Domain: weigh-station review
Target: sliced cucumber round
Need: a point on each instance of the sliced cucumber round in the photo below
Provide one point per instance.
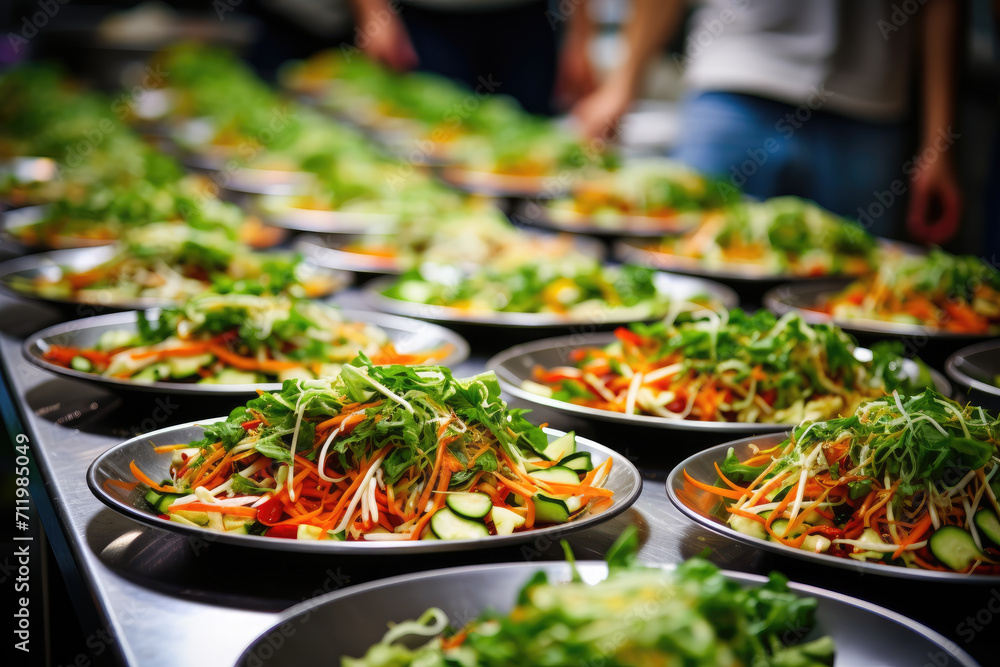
(160, 501)
(556, 475)
(505, 520)
(550, 510)
(449, 526)
(988, 524)
(470, 505)
(562, 446)
(955, 548)
(81, 364)
(579, 461)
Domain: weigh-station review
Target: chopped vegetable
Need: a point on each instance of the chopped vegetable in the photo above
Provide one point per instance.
(637, 615)
(903, 481)
(731, 367)
(377, 453)
(958, 294)
(237, 338)
(779, 236)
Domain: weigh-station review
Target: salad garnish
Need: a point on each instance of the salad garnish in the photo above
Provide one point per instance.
(173, 262)
(905, 481)
(564, 286)
(779, 236)
(379, 453)
(236, 339)
(660, 190)
(959, 294)
(638, 615)
(728, 367)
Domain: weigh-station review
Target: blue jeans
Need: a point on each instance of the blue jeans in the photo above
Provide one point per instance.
(767, 148)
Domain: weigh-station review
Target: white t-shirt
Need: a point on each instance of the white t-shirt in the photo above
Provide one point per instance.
(857, 52)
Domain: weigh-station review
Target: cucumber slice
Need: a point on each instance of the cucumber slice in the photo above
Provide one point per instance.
(779, 526)
(470, 505)
(562, 446)
(309, 532)
(988, 524)
(305, 532)
(215, 522)
(177, 518)
(231, 523)
(530, 465)
(449, 526)
(505, 520)
(954, 547)
(748, 526)
(872, 536)
(550, 510)
(182, 367)
(160, 501)
(295, 373)
(152, 373)
(232, 376)
(579, 461)
(112, 340)
(197, 518)
(81, 364)
(556, 475)
(816, 543)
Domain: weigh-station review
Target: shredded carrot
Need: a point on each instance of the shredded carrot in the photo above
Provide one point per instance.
(731, 485)
(170, 448)
(529, 517)
(914, 535)
(725, 493)
(346, 412)
(235, 510)
(142, 477)
(746, 515)
(248, 363)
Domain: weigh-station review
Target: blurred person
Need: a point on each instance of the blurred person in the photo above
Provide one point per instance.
(520, 48)
(809, 99)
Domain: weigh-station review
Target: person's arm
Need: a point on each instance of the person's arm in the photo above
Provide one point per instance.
(381, 34)
(575, 77)
(652, 23)
(935, 199)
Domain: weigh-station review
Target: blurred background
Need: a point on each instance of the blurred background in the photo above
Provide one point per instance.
(565, 51)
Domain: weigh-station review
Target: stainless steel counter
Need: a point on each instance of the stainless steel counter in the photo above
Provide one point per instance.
(164, 599)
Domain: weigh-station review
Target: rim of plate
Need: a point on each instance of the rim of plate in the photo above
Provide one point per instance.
(960, 357)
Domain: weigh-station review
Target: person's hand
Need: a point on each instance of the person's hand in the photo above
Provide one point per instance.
(935, 204)
(389, 44)
(598, 114)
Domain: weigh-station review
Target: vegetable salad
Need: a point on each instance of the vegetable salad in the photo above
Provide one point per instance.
(379, 453)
